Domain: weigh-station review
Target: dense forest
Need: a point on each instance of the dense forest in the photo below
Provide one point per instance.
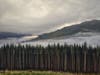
(68, 58)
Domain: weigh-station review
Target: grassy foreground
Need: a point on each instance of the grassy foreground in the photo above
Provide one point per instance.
(39, 73)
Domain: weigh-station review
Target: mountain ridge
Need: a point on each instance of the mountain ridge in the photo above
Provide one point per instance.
(87, 26)
(4, 35)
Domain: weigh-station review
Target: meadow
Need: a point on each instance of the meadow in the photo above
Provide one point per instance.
(41, 73)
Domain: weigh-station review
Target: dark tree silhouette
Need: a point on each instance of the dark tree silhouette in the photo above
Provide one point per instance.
(71, 58)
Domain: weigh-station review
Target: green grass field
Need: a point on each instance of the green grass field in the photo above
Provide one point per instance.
(39, 73)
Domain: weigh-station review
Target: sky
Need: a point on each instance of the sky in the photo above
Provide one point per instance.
(41, 16)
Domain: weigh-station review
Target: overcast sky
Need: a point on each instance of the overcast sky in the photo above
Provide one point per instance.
(38, 16)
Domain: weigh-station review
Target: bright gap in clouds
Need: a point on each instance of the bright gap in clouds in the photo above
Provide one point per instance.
(66, 25)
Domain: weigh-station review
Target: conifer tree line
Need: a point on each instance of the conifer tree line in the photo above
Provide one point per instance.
(68, 58)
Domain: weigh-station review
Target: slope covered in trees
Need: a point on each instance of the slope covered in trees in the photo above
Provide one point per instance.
(4, 35)
(69, 58)
(88, 26)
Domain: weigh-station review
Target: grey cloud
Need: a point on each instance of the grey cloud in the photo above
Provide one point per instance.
(38, 16)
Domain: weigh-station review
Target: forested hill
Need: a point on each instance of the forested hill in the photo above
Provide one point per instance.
(4, 35)
(88, 26)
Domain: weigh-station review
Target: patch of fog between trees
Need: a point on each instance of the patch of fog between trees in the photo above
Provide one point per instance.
(91, 40)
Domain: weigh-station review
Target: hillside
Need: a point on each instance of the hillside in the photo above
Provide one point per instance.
(4, 35)
(88, 26)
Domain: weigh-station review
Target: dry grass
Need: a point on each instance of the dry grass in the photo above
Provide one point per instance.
(39, 73)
